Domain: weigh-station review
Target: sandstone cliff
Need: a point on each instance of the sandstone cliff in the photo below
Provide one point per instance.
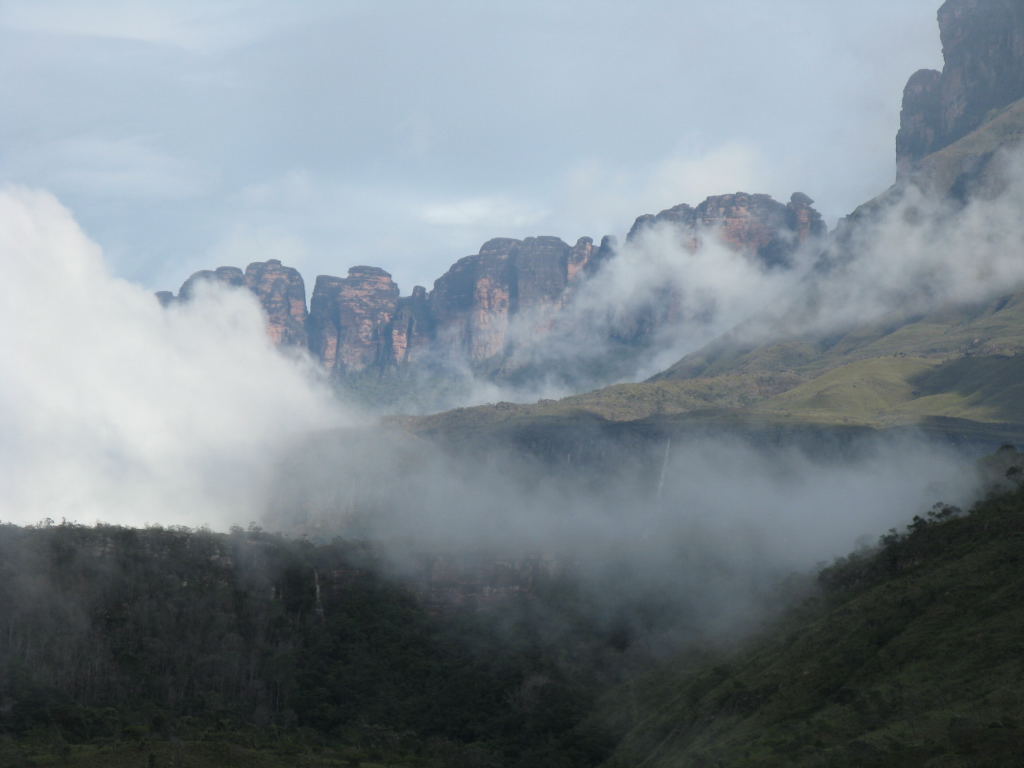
(227, 275)
(475, 302)
(350, 318)
(983, 71)
(282, 294)
(755, 224)
(491, 306)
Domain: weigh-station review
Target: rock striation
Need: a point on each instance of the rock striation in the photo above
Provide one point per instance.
(475, 301)
(983, 71)
(350, 319)
(282, 293)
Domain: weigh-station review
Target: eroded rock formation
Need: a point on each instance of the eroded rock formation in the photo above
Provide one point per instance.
(489, 310)
(475, 302)
(280, 290)
(983, 71)
(755, 224)
(350, 319)
(227, 275)
(282, 294)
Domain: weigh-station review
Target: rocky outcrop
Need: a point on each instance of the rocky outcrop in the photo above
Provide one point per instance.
(474, 303)
(755, 224)
(983, 71)
(282, 294)
(350, 319)
(231, 276)
(280, 290)
(412, 330)
(492, 312)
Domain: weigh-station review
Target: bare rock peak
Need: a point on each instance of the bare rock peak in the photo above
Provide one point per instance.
(755, 223)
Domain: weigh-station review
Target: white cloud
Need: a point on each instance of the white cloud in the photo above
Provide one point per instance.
(114, 409)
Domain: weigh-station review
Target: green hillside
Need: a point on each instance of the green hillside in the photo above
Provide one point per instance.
(912, 655)
(958, 363)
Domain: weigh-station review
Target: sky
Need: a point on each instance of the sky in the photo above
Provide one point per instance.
(197, 133)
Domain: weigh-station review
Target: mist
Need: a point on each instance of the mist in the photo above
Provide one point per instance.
(711, 521)
(116, 410)
(912, 252)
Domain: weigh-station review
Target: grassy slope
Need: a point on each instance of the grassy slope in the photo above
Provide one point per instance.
(903, 390)
(958, 364)
(1005, 128)
(913, 655)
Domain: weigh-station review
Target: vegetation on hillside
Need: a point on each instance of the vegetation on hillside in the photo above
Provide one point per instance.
(117, 644)
(171, 647)
(911, 655)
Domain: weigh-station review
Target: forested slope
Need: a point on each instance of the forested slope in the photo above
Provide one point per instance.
(913, 654)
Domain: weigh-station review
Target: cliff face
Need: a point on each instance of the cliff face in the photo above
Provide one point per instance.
(983, 71)
(754, 224)
(412, 330)
(349, 319)
(280, 290)
(486, 307)
(282, 294)
(227, 275)
(475, 302)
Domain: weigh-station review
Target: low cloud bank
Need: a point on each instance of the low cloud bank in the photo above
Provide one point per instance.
(117, 410)
(711, 522)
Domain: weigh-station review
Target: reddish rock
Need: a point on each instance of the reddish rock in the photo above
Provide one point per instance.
(474, 303)
(412, 329)
(282, 293)
(360, 323)
(755, 224)
(350, 319)
(803, 220)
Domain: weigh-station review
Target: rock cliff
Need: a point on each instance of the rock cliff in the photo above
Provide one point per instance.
(350, 319)
(983, 71)
(475, 302)
(227, 275)
(282, 294)
(280, 290)
(490, 309)
(754, 224)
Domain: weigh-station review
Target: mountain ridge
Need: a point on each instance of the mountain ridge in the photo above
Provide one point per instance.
(485, 314)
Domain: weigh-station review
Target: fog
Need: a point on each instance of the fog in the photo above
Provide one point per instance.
(914, 253)
(708, 523)
(113, 409)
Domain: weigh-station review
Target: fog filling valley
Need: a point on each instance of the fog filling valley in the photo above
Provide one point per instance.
(117, 410)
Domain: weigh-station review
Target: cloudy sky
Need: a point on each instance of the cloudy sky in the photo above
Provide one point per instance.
(186, 134)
